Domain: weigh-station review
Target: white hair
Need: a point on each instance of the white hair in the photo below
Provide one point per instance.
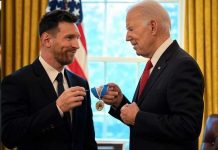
(150, 9)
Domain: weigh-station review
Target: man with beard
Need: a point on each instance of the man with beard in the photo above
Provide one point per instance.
(45, 106)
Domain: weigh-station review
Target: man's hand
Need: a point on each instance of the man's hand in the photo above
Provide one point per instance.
(113, 96)
(71, 98)
(128, 113)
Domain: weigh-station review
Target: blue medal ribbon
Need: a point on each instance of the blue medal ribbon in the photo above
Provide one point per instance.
(103, 91)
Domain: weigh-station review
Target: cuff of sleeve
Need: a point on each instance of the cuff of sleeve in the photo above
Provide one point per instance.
(123, 102)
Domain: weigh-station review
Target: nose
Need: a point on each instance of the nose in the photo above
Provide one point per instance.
(128, 37)
(75, 43)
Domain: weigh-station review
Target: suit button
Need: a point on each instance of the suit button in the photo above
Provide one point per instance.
(52, 126)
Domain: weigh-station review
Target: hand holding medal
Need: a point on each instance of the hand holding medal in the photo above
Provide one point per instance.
(99, 92)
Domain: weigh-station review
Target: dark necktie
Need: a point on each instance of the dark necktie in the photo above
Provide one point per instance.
(144, 77)
(60, 90)
(59, 79)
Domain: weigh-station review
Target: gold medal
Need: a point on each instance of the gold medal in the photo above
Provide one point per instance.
(99, 105)
(99, 93)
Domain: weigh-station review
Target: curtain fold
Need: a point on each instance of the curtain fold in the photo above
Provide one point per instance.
(19, 33)
(201, 41)
(20, 42)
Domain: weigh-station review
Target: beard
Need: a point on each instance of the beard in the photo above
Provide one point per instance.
(65, 58)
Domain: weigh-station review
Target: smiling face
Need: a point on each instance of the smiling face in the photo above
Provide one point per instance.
(60, 44)
(65, 43)
(139, 33)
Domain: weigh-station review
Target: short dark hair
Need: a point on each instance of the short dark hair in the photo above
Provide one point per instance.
(50, 20)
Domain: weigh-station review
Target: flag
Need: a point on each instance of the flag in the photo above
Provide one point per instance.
(79, 65)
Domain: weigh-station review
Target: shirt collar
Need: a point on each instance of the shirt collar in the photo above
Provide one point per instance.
(52, 72)
(160, 51)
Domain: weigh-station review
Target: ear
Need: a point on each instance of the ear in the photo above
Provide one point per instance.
(46, 39)
(153, 24)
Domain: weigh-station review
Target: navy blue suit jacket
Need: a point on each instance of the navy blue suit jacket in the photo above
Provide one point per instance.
(31, 120)
(171, 105)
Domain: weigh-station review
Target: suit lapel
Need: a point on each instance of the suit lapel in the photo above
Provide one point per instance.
(152, 79)
(44, 81)
(158, 69)
(46, 84)
(69, 78)
(71, 83)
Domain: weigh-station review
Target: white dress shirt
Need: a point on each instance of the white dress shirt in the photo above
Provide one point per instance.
(52, 74)
(156, 56)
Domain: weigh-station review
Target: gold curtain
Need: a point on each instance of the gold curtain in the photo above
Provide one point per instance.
(20, 42)
(201, 41)
(19, 33)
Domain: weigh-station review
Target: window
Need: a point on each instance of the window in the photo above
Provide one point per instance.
(112, 59)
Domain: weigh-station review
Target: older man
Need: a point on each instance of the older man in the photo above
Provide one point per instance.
(167, 108)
